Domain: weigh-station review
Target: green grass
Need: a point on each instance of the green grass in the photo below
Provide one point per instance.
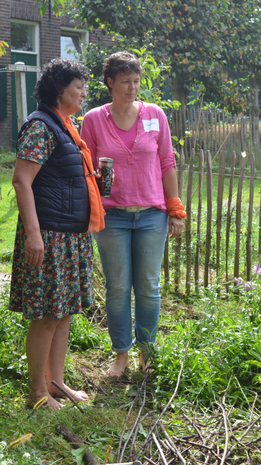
(8, 211)
(7, 159)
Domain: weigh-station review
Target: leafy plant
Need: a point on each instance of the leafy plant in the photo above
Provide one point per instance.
(222, 356)
(3, 46)
(84, 335)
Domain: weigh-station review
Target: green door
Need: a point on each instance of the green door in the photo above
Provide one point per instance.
(30, 84)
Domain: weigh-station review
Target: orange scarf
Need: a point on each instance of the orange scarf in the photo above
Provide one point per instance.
(97, 211)
(175, 208)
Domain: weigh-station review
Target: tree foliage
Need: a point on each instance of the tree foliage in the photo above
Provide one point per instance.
(236, 74)
(56, 5)
(213, 42)
(3, 46)
(205, 40)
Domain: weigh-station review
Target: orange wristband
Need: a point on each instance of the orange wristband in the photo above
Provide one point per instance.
(175, 208)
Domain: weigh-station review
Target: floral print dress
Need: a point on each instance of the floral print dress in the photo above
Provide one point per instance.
(63, 284)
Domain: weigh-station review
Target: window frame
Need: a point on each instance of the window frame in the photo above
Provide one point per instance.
(83, 35)
(36, 38)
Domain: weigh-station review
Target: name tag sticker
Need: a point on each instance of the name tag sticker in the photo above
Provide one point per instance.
(151, 124)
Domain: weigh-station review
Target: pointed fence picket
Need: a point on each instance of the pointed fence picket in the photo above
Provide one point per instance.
(250, 217)
(238, 216)
(200, 187)
(229, 212)
(212, 129)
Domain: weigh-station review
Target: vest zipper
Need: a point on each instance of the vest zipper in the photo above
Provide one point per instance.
(70, 196)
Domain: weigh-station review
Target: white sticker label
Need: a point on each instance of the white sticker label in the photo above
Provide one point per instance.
(151, 124)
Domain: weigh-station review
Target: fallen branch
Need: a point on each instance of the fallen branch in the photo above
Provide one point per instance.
(137, 418)
(193, 424)
(76, 442)
(244, 434)
(94, 385)
(67, 395)
(171, 444)
(159, 449)
(226, 433)
(126, 421)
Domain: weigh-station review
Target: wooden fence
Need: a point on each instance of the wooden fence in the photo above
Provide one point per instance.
(222, 240)
(214, 130)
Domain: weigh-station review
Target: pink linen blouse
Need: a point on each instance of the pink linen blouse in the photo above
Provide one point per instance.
(138, 171)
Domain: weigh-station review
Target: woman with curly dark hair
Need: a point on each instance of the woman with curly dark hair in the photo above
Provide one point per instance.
(59, 205)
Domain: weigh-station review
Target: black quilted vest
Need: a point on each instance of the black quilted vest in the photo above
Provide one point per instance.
(60, 189)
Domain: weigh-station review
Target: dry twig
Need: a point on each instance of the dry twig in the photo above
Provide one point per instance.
(171, 444)
(169, 402)
(159, 449)
(67, 395)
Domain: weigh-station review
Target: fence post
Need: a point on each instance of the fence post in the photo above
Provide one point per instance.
(238, 216)
(188, 222)
(200, 187)
(221, 177)
(229, 213)
(20, 90)
(250, 217)
(259, 234)
(177, 243)
(166, 260)
(209, 216)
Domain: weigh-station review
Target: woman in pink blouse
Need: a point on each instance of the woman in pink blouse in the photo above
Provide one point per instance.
(142, 208)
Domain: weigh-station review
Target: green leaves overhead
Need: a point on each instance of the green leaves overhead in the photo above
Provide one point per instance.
(56, 5)
(205, 40)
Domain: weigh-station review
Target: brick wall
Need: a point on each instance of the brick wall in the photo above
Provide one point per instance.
(25, 10)
(49, 47)
(96, 34)
(49, 38)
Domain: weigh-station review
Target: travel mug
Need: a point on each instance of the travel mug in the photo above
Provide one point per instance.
(105, 170)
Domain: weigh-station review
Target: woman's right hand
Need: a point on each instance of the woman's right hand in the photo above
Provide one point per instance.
(34, 249)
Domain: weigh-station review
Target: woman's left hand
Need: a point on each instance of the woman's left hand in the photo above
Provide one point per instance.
(175, 226)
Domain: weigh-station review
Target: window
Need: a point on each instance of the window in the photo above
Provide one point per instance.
(24, 35)
(73, 42)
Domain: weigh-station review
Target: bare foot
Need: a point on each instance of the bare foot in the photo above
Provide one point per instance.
(144, 366)
(35, 396)
(121, 362)
(78, 396)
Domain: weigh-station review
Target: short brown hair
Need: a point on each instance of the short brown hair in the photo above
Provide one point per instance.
(120, 62)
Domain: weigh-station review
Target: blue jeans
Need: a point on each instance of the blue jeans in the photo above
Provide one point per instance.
(131, 248)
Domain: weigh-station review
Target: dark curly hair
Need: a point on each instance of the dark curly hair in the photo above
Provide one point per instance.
(55, 77)
(120, 62)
